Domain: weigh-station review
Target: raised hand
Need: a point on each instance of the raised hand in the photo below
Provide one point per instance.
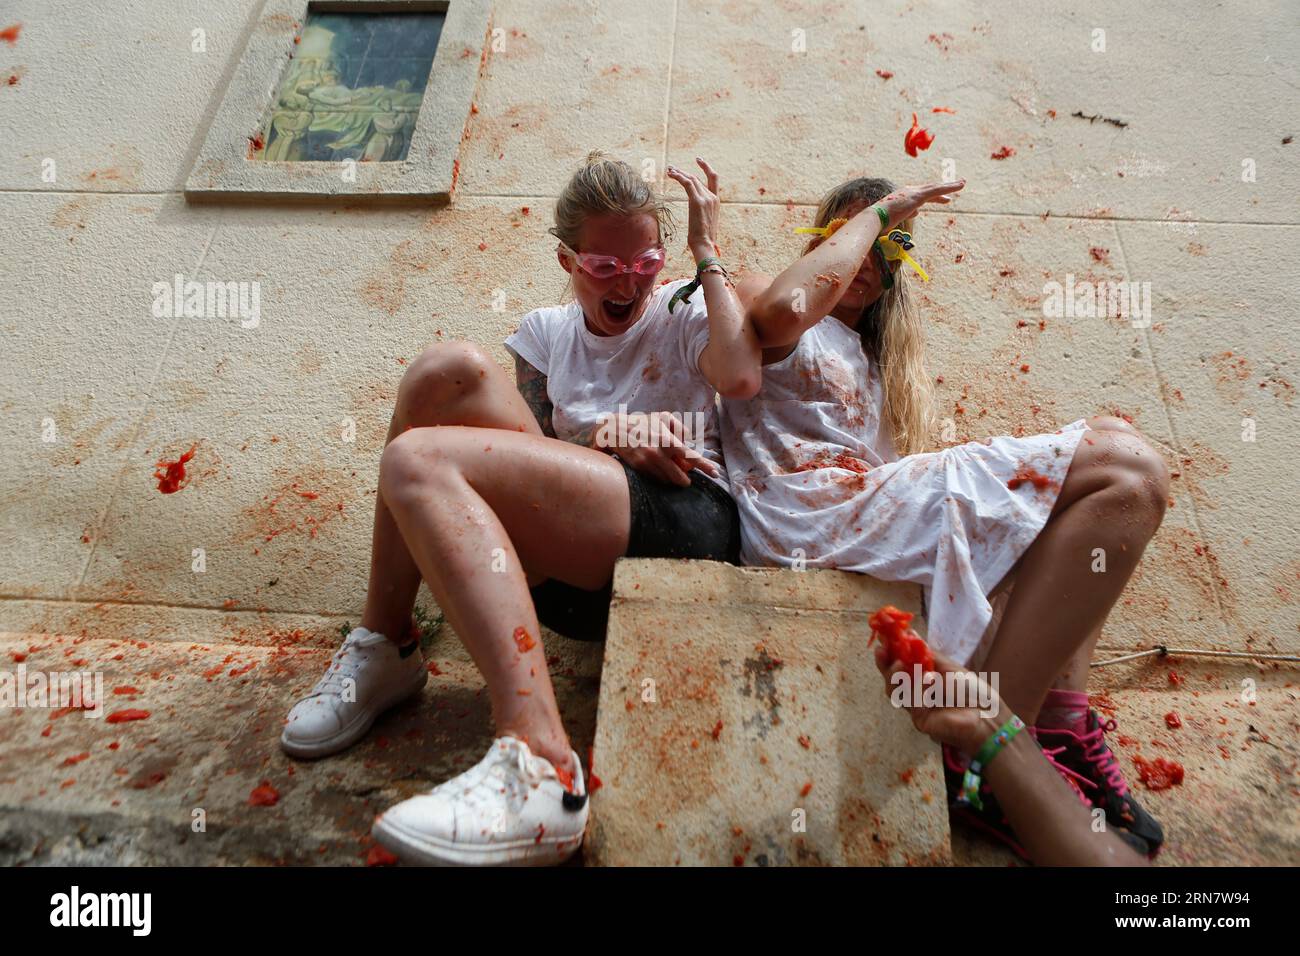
(903, 204)
(702, 229)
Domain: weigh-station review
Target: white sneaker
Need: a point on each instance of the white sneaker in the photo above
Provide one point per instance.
(366, 677)
(509, 810)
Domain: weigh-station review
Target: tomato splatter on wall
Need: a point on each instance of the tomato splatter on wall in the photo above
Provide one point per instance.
(171, 474)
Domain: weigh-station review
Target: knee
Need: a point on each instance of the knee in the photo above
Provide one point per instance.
(409, 462)
(1110, 423)
(442, 375)
(1138, 477)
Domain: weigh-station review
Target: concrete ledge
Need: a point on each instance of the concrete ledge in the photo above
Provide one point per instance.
(742, 720)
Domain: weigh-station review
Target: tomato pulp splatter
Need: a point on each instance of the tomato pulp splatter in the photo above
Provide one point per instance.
(1024, 474)
(523, 640)
(1158, 774)
(917, 138)
(901, 642)
(10, 34)
(122, 716)
(378, 856)
(593, 781)
(264, 796)
(1006, 152)
(1173, 721)
(171, 478)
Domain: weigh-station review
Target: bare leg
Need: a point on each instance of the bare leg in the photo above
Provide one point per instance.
(477, 506)
(1113, 498)
(455, 383)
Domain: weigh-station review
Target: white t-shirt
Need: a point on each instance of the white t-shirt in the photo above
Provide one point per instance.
(652, 367)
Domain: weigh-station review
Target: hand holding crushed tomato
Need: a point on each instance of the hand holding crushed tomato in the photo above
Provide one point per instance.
(965, 728)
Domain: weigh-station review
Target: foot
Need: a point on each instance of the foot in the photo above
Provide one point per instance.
(512, 809)
(1088, 756)
(367, 676)
(991, 821)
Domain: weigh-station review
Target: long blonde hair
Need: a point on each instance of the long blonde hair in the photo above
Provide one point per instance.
(891, 332)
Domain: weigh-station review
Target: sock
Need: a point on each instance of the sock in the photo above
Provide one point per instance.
(1064, 710)
(406, 650)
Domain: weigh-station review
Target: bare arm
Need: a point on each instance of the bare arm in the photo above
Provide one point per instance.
(805, 293)
(532, 386)
(731, 361)
(808, 290)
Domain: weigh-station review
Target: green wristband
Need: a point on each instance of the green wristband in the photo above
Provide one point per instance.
(884, 216)
(688, 290)
(997, 742)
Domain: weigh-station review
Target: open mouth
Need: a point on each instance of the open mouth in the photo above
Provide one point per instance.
(618, 309)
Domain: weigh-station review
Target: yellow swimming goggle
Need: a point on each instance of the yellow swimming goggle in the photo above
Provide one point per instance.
(891, 248)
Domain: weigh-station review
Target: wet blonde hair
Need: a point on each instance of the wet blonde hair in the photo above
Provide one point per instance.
(891, 331)
(605, 185)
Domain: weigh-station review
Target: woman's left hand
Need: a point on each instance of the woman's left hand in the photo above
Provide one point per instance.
(702, 231)
(965, 728)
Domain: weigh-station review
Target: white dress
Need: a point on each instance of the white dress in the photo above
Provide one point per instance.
(816, 478)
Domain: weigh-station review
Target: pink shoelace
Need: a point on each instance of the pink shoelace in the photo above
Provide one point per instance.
(1076, 780)
(1097, 753)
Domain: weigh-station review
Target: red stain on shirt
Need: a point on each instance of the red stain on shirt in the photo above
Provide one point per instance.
(901, 642)
(10, 34)
(885, 74)
(1024, 474)
(171, 478)
(1173, 721)
(917, 138)
(840, 460)
(944, 109)
(1006, 152)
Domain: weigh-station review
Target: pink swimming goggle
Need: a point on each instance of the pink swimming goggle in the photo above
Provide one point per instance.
(648, 263)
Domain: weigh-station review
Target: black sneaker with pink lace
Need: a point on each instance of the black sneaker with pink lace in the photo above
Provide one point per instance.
(1097, 772)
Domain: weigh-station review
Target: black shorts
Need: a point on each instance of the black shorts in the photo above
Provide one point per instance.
(667, 522)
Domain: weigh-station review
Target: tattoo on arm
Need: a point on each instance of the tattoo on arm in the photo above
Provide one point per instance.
(532, 386)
